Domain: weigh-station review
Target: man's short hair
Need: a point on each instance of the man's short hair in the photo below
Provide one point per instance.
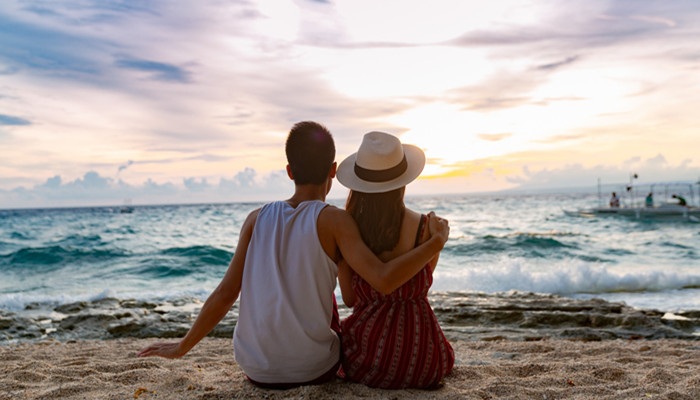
(310, 152)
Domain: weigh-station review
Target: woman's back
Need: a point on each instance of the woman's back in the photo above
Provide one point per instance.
(395, 341)
(407, 237)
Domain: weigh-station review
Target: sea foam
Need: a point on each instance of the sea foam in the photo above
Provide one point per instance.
(564, 278)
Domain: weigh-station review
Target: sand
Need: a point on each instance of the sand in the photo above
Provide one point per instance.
(501, 369)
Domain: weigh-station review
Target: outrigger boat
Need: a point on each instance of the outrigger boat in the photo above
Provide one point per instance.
(678, 201)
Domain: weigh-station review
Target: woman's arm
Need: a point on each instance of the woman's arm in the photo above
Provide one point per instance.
(345, 283)
(384, 277)
(433, 262)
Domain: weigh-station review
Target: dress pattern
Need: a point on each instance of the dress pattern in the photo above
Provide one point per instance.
(394, 341)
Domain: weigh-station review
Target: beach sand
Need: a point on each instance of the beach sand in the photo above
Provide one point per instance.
(498, 369)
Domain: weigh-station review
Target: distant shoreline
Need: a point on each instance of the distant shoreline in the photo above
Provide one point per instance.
(584, 190)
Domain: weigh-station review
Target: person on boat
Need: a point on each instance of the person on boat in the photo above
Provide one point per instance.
(284, 270)
(650, 200)
(392, 340)
(681, 200)
(614, 200)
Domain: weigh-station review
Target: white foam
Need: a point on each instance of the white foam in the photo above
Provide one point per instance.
(18, 301)
(570, 277)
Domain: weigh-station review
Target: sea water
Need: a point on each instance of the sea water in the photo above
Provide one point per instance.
(500, 247)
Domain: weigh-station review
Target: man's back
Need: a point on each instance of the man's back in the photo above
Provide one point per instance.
(286, 304)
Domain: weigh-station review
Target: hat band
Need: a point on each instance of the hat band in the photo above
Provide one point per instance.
(382, 175)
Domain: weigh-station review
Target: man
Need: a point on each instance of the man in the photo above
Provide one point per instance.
(284, 269)
(649, 201)
(681, 200)
(614, 201)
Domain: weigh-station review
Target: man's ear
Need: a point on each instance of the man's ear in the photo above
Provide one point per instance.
(289, 172)
(334, 169)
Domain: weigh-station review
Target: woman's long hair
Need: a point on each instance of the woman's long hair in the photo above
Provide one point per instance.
(378, 216)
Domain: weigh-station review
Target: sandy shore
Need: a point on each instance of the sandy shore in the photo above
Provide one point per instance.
(549, 369)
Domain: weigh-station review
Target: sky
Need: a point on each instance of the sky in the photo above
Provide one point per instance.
(106, 101)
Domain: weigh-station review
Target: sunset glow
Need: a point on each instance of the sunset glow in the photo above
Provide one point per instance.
(184, 102)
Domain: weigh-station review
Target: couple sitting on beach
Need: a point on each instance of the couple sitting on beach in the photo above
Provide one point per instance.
(290, 254)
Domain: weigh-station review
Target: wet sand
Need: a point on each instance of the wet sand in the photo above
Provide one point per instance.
(485, 369)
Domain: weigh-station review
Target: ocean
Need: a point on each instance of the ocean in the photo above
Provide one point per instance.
(515, 266)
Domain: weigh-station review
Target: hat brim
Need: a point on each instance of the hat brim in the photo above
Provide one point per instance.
(415, 159)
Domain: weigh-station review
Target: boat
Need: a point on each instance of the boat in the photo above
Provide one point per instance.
(126, 208)
(672, 199)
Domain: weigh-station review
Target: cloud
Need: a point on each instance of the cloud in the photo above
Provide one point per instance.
(9, 120)
(655, 169)
(562, 138)
(159, 71)
(9, 71)
(52, 183)
(555, 65)
(27, 45)
(494, 137)
(92, 189)
(125, 166)
(195, 186)
(655, 20)
(499, 91)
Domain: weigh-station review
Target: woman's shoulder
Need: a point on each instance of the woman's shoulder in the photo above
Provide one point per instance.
(417, 226)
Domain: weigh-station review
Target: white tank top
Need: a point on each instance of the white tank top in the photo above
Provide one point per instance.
(283, 332)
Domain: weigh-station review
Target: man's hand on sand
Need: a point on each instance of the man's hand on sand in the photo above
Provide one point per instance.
(438, 226)
(167, 350)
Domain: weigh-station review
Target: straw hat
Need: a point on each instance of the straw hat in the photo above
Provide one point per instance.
(381, 164)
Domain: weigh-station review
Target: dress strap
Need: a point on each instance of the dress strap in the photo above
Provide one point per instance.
(421, 228)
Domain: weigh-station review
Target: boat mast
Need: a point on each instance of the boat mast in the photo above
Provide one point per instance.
(630, 188)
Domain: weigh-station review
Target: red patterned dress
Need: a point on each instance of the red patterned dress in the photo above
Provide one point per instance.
(394, 341)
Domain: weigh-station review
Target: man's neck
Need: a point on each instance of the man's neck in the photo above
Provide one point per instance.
(307, 193)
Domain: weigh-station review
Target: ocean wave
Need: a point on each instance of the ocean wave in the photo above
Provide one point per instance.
(201, 254)
(525, 245)
(20, 236)
(20, 301)
(564, 279)
(76, 240)
(36, 257)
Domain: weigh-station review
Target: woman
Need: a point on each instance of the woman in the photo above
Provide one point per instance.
(391, 340)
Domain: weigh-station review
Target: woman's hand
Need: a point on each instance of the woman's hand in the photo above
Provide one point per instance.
(438, 227)
(167, 350)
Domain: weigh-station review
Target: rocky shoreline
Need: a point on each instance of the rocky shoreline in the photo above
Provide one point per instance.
(463, 316)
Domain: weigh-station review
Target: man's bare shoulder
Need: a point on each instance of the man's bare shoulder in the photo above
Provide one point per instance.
(333, 215)
(254, 214)
(251, 219)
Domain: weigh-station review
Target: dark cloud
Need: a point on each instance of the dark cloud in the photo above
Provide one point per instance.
(30, 46)
(125, 166)
(42, 11)
(159, 71)
(9, 120)
(555, 65)
(514, 36)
